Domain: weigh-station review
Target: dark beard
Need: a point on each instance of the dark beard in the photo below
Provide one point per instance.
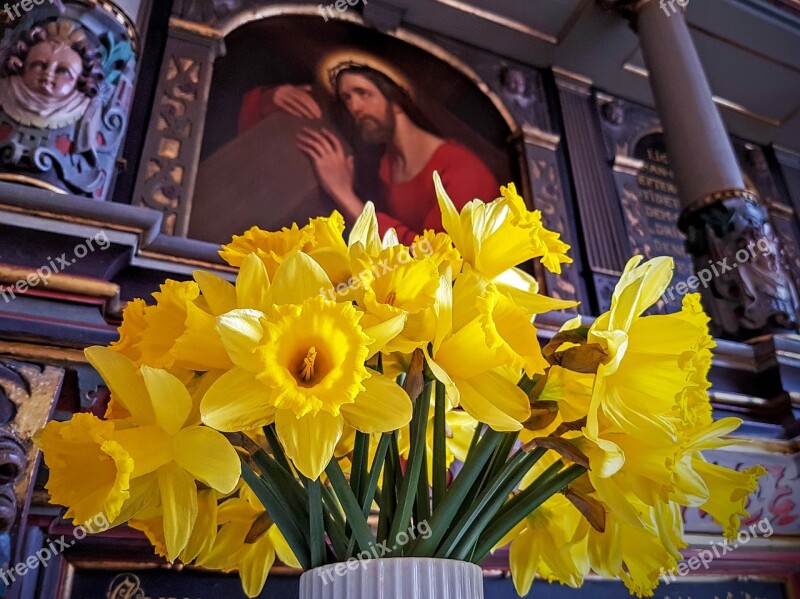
(378, 132)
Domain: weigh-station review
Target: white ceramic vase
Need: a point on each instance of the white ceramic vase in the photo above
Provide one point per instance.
(394, 578)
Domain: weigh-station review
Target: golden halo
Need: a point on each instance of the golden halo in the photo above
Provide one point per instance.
(336, 58)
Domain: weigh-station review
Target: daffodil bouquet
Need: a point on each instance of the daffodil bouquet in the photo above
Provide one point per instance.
(337, 379)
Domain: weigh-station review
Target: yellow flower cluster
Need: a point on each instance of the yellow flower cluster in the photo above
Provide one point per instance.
(312, 337)
(638, 392)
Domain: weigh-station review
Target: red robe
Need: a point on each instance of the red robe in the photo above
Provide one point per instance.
(410, 207)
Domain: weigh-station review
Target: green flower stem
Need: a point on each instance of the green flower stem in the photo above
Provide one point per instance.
(332, 505)
(289, 486)
(388, 500)
(369, 492)
(352, 510)
(476, 436)
(496, 465)
(545, 476)
(277, 448)
(463, 536)
(274, 504)
(358, 471)
(416, 453)
(318, 549)
(444, 515)
(523, 504)
(336, 534)
(422, 506)
(439, 445)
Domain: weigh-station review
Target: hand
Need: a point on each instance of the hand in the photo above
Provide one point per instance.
(298, 101)
(334, 168)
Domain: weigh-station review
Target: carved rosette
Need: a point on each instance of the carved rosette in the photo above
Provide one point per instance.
(66, 83)
(731, 239)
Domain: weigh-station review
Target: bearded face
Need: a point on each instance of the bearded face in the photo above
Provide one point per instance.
(376, 130)
(373, 113)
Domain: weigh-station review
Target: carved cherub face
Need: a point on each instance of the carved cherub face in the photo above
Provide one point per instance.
(52, 70)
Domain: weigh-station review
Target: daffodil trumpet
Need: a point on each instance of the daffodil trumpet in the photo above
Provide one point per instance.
(273, 417)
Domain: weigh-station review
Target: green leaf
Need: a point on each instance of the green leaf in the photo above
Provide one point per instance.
(355, 518)
(439, 445)
(523, 505)
(444, 515)
(464, 535)
(358, 471)
(273, 503)
(409, 486)
(316, 522)
(372, 485)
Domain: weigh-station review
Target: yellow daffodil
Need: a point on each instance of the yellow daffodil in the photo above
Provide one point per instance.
(482, 341)
(247, 541)
(176, 334)
(635, 554)
(439, 248)
(400, 286)
(497, 236)
(168, 451)
(322, 238)
(89, 471)
(271, 247)
(302, 367)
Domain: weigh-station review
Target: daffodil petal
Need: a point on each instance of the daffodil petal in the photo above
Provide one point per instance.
(297, 279)
(383, 407)
(143, 500)
(523, 557)
(149, 446)
(241, 332)
(383, 332)
(282, 548)
(255, 567)
(253, 285)
(170, 399)
(451, 389)
(199, 347)
(122, 377)
(494, 400)
(204, 530)
(209, 457)
(220, 295)
(179, 506)
(237, 401)
(365, 231)
(309, 440)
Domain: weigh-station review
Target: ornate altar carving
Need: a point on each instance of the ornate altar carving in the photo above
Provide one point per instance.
(65, 88)
(27, 396)
(753, 292)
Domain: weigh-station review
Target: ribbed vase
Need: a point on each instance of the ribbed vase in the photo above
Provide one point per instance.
(394, 578)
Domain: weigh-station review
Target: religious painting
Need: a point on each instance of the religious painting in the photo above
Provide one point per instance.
(306, 116)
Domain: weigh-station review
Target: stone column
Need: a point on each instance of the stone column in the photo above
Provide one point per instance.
(728, 231)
